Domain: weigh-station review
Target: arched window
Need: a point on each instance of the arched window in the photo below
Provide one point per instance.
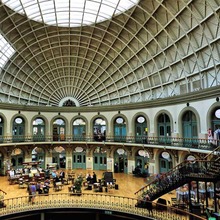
(120, 130)
(18, 130)
(59, 157)
(99, 129)
(165, 162)
(141, 130)
(1, 164)
(1, 129)
(190, 134)
(214, 131)
(38, 130)
(164, 129)
(120, 161)
(79, 158)
(79, 130)
(38, 155)
(17, 158)
(59, 131)
(99, 159)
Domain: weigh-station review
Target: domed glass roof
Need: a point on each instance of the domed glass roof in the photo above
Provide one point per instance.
(104, 53)
(70, 13)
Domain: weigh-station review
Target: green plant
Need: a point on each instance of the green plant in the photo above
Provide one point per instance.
(78, 184)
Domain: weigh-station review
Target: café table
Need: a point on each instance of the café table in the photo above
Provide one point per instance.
(59, 185)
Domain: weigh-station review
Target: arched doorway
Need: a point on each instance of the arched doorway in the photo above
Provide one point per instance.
(141, 130)
(165, 162)
(79, 158)
(120, 130)
(79, 130)
(215, 126)
(190, 134)
(18, 129)
(38, 130)
(120, 161)
(99, 129)
(2, 172)
(215, 119)
(59, 157)
(142, 161)
(38, 155)
(164, 129)
(99, 159)
(17, 158)
(1, 129)
(59, 130)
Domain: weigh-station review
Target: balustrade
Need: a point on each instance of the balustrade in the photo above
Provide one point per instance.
(100, 201)
(192, 143)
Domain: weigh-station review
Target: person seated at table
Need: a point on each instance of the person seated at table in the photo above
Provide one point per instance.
(47, 174)
(54, 176)
(45, 187)
(47, 182)
(12, 173)
(39, 188)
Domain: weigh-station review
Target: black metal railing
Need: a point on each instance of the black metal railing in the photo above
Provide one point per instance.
(95, 201)
(181, 174)
(192, 143)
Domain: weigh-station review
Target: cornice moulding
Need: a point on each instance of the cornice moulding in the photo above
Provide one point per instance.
(174, 100)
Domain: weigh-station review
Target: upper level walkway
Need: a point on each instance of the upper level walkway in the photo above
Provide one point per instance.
(173, 142)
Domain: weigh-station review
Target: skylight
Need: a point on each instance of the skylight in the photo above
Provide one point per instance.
(70, 13)
(6, 51)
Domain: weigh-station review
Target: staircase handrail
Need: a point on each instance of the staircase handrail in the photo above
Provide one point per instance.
(213, 152)
(170, 172)
(176, 175)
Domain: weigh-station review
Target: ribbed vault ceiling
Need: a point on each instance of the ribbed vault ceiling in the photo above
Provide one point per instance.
(155, 49)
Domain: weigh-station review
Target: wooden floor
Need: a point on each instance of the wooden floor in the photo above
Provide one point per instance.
(128, 185)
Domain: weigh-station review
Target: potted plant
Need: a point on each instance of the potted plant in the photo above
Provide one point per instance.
(78, 184)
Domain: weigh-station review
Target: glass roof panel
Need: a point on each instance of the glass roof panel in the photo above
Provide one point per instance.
(6, 51)
(70, 13)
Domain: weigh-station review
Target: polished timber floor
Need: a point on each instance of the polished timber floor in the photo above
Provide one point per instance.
(127, 184)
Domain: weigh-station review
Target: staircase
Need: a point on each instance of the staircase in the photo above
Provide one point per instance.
(187, 171)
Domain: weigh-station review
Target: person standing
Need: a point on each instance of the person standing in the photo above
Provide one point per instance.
(89, 179)
(32, 191)
(149, 205)
(94, 178)
(62, 175)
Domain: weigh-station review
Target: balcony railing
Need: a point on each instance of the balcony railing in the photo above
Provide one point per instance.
(164, 141)
(109, 203)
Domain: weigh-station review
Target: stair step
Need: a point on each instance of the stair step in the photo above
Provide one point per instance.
(179, 177)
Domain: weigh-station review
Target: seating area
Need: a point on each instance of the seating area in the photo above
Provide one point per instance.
(105, 184)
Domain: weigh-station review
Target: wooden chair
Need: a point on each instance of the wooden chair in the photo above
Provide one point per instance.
(71, 190)
(173, 201)
(21, 184)
(65, 182)
(96, 187)
(55, 187)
